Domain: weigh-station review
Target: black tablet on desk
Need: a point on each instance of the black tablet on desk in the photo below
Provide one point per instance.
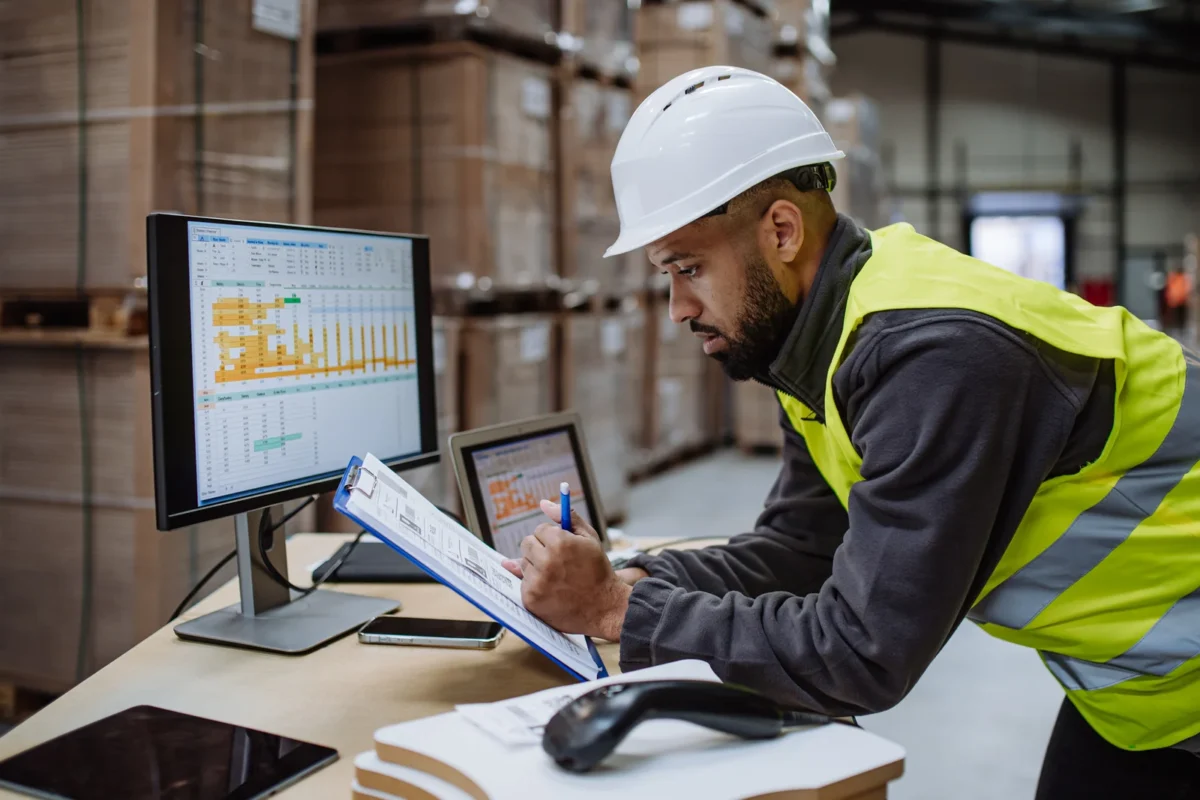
(148, 753)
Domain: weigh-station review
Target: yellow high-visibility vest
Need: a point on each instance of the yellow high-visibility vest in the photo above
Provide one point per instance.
(1102, 576)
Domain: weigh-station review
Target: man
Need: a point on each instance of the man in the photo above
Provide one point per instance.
(960, 442)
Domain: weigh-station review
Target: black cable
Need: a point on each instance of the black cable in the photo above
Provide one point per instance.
(450, 514)
(208, 576)
(265, 529)
(85, 443)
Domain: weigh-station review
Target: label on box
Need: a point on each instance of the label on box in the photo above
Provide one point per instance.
(612, 337)
(439, 352)
(694, 16)
(617, 111)
(277, 17)
(535, 342)
(535, 97)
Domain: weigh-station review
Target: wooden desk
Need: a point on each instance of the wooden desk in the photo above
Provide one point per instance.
(337, 696)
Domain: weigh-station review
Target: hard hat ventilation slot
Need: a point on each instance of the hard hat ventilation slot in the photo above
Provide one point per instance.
(694, 87)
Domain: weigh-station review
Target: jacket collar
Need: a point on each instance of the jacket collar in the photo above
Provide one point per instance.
(803, 363)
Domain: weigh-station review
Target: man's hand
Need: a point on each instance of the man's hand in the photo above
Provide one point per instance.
(567, 581)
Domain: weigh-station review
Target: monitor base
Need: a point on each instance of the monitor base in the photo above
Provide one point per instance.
(298, 627)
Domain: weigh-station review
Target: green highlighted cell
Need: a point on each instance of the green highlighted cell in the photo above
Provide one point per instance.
(290, 300)
(275, 442)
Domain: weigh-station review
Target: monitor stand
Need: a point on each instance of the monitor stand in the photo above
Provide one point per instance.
(267, 618)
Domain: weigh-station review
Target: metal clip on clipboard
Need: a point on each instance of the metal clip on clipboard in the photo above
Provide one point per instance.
(361, 480)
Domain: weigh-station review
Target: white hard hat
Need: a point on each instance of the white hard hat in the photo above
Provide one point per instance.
(702, 139)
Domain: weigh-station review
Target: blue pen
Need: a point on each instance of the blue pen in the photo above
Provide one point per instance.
(564, 499)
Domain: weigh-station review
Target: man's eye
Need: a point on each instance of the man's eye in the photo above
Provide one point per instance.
(688, 272)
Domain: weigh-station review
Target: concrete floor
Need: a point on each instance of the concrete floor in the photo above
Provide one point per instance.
(976, 724)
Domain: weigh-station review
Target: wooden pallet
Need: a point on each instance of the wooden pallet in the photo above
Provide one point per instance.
(17, 702)
(63, 316)
(438, 29)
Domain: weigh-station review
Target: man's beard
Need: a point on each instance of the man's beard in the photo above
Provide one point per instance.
(765, 320)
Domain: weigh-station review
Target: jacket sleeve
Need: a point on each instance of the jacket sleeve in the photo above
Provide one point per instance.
(792, 545)
(957, 425)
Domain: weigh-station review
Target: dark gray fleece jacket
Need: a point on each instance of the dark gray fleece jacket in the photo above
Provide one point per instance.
(958, 419)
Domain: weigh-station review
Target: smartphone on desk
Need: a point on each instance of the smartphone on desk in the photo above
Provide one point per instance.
(431, 632)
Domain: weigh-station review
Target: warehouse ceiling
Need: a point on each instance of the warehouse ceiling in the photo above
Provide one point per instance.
(1160, 33)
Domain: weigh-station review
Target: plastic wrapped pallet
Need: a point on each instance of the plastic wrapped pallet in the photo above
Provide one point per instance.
(508, 368)
(211, 118)
(449, 140)
(531, 18)
(603, 30)
(600, 114)
(853, 122)
(673, 38)
(594, 347)
(805, 25)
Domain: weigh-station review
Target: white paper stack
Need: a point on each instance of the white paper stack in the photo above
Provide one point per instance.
(493, 752)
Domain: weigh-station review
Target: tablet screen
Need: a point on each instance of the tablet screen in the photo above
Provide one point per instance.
(148, 753)
(510, 478)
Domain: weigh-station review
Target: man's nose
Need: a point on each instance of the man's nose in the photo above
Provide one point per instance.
(683, 305)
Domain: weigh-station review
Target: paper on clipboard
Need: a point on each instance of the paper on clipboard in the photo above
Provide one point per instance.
(395, 512)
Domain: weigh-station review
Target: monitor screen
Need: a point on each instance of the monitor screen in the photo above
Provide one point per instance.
(514, 476)
(278, 354)
(302, 354)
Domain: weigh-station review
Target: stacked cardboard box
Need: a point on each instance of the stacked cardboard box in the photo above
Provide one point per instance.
(600, 114)
(673, 38)
(535, 19)
(603, 34)
(451, 140)
(211, 118)
(182, 106)
(756, 417)
(594, 350)
(509, 368)
(682, 391)
(853, 122)
(139, 573)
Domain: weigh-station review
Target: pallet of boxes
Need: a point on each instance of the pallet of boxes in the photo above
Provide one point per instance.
(686, 398)
(84, 574)
(486, 130)
(801, 60)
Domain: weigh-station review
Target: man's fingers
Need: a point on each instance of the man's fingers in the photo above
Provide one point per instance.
(533, 551)
(513, 566)
(578, 525)
(548, 534)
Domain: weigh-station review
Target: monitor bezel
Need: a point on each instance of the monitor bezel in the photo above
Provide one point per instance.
(176, 499)
(463, 445)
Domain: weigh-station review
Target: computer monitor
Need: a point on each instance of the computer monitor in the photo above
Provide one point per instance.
(277, 353)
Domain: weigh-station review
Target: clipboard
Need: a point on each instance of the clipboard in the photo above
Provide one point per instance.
(356, 478)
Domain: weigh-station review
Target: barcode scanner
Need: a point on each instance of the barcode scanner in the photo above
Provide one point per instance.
(585, 731)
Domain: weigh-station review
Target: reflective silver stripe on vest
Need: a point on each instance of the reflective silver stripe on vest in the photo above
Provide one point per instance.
(1099, 530)
(1173, 640)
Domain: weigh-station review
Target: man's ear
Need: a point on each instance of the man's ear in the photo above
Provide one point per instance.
(785, 228)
